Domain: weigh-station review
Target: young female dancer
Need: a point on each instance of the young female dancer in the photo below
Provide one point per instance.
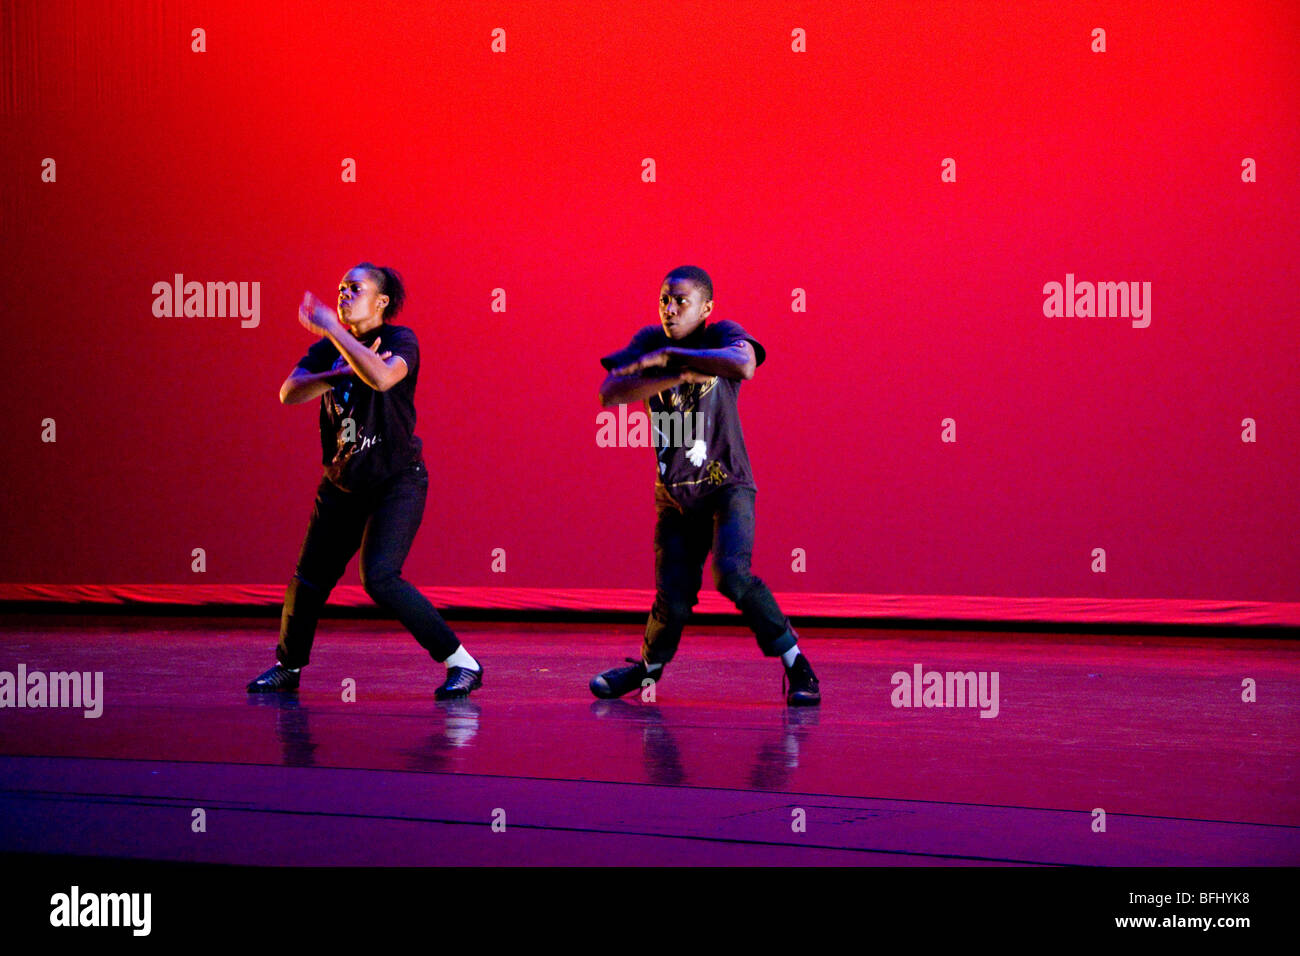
(372, 494)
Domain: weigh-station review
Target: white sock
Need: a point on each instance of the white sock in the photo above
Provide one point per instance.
(651, 668)
(462, 658)
(292, 670)
(788, 657)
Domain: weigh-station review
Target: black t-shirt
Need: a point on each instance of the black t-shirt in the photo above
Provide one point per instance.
(699, 455)
(383, 441)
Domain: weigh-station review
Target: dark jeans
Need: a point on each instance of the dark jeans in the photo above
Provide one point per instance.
(382, 522)
(724, 523)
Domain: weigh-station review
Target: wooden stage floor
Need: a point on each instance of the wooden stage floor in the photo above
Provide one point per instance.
(716, 770)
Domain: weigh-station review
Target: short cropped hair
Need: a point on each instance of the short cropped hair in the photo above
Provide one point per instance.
(694, 274)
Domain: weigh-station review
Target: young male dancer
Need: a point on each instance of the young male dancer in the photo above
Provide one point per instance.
(375, 484)
(704, 491)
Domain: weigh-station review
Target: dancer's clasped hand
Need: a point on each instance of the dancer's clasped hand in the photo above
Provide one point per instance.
(660, 358)
(316, 317)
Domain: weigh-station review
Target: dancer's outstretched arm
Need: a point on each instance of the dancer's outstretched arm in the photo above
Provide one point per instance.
(374, 370)
(735, 361)
(303, 386)
(620, 389)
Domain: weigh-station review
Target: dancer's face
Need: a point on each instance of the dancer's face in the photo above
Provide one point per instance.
(360, 303)
(682, 307)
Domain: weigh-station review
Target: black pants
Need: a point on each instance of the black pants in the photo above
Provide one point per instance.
(724, 523)
(382, 522)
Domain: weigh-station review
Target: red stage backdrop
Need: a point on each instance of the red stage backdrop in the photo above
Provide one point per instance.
(882, 193)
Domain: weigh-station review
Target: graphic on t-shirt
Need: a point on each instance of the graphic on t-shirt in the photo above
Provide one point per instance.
(686, 397)
(351, 432)
(341, 397)
(341, 394)
(714, 456)
(366, 434)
